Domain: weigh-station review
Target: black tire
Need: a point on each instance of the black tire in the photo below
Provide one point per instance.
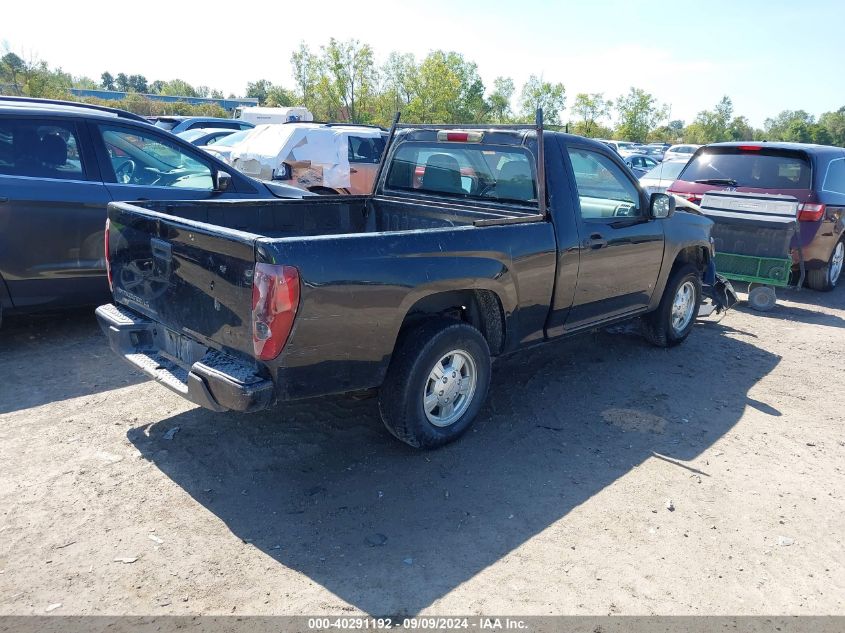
(417, 352)
(820, 278)
(657, 325)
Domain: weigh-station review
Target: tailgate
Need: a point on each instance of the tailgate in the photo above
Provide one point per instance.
(194, 278)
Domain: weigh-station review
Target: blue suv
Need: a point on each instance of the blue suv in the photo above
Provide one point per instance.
(61, 163)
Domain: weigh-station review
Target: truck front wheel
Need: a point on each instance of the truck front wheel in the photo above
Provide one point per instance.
(674, 318)
(436, 383)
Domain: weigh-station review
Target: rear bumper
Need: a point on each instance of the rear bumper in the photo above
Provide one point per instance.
(216, 381)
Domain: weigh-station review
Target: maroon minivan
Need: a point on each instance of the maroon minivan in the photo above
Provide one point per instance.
(813, 174)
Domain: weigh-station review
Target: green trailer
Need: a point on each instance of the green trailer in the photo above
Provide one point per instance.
(753, 235)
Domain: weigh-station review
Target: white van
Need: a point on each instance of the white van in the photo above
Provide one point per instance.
(260, 115)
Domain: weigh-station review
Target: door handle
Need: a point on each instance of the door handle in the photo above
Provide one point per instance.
(3, 199)
(596, 241)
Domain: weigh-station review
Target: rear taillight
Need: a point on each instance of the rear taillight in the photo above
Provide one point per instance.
(275, 298)
(808, 212)
(106, 242)
(690, 197)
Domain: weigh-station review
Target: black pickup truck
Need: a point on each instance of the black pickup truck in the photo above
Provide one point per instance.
(475, 243)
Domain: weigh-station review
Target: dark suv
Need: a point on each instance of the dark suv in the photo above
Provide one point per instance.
(61, 163)
(813, 175)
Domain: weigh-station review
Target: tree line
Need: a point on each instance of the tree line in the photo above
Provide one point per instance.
(342, 81)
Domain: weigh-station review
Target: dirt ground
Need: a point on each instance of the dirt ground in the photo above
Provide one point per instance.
(118, 497)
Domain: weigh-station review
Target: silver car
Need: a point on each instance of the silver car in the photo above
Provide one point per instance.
(680, 151)
(658, 179)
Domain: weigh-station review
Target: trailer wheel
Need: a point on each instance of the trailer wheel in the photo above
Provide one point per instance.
(436, 383)
(675, 317)
(762, 298)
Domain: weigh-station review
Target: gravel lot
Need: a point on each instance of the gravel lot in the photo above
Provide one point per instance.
(118, 497)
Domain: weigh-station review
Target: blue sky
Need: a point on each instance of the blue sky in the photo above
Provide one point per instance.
(767, 56)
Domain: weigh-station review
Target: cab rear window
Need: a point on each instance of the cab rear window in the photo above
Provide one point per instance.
(757, 168)
(473, 171)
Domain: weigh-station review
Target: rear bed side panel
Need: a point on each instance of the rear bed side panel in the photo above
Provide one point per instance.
(357, 289)
(193, 278)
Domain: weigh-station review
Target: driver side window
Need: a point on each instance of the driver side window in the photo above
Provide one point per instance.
(603, 189)
(139, 158)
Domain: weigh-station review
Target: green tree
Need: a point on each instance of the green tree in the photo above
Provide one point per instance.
(834, 123)
(280, 97)
(399, 79)
(500, 100)
(351, 68)
(820, 134)
(638, 113)
(316, 88)
(788, 125)
(107, 81)
(590, 109)
(12, 69)
(437, 90)
(306, 74)
(137, 83)
(84, 82)
(175, 88)
(537, 93)
(446, 89)
(33, 78)
(740, 130)
(711, 126)
(122, 82)
(258, 90)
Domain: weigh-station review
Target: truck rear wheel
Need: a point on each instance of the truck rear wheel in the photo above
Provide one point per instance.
(436, 383)
(675, 317)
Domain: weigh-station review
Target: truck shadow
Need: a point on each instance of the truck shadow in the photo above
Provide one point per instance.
(321, 488)
(52, 357)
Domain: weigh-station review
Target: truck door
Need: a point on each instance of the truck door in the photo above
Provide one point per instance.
(621, 249)
(52, 213)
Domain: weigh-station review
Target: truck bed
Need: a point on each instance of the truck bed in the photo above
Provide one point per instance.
(186, 268)
(334, 215)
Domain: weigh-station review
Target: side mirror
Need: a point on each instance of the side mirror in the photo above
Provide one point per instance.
(222, 181)
(661, 206)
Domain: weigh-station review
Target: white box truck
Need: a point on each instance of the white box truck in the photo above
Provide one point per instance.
(259, 115)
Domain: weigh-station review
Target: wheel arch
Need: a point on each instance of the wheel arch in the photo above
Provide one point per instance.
(696, 254)
(482, 308)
